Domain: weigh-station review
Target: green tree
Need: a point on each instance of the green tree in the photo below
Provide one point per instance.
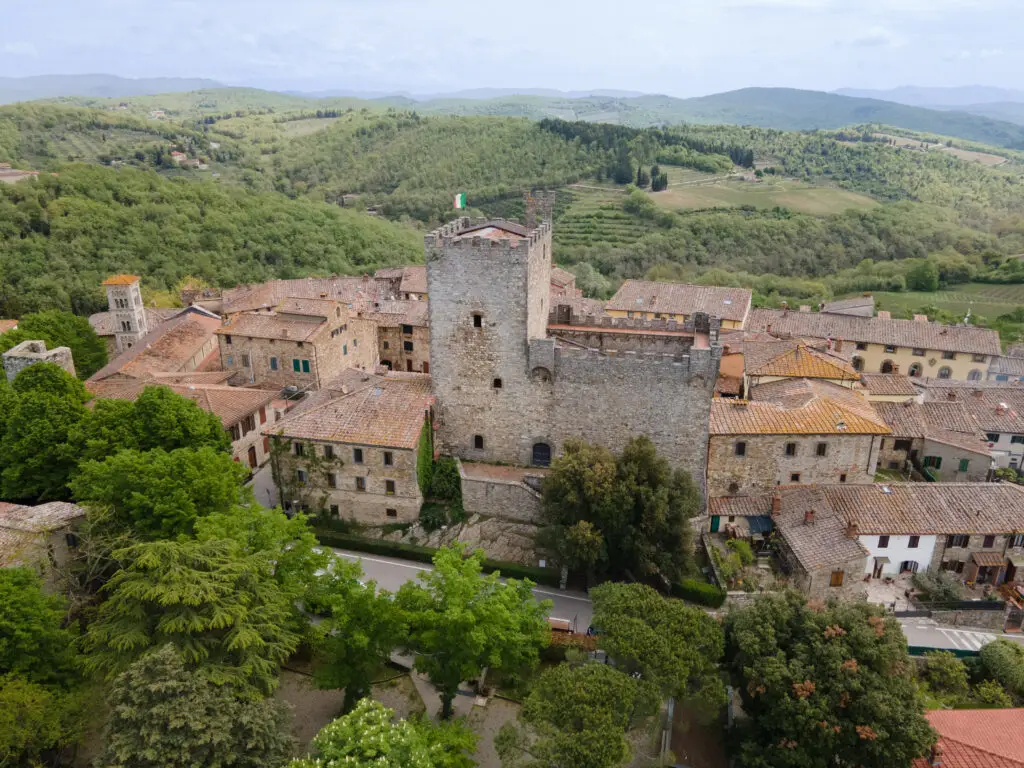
(34, 644)
(362, 628)
(165, 715)
(160, 494)
(578, 716)
(368, 736)
(34, 720)
(1003, 661)
(988, 694)
(219, 607)
(923, 276)
(642, 179)
(828, 685)
(49, 379)
(668, 643)
(461, 622)
(35, 456)
(61, 329)
(945, 673)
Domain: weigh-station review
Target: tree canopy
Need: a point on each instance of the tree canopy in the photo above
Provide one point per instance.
(33, 641)
(59, 329)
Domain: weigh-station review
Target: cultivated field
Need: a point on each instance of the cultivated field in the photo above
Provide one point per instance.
(983, 299)
(595, 215)
(964, 154)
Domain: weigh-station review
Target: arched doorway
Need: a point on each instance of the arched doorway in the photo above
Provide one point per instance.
(915, 370)
(858, 363)
(974, 375)
(945, 372)
(541, 455)
(887, 366)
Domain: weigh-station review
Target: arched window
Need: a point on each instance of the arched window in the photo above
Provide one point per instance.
(908, 566)
(915, 370)
(974, 375)
(945, 372)
(540, 373)
(886, 367)
(858, 363)
(541, 455)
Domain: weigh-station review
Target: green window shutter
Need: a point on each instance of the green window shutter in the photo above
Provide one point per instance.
(344, 349)
(296, 366)
(938, 462)
(305, 366)
(964, 463)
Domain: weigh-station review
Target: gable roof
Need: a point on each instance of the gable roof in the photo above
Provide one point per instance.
(414, 279)
(267, 325)
(793, 359)
(562, 277)
(105, 323)
(390, 314)
(877, 330)
(246, 298)
(495, 229)
(681, 299)
(363, 409)
(978, 738)
(995, 409)
(229, 404)
(894, 384)
(165, 349)
(844, 305)
(8, 325)
(943, 422)
(824, 544)
(121, 280)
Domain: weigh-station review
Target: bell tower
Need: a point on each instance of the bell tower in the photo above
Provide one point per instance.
(124, 295)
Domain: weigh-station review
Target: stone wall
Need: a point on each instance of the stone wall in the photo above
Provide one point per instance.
(766, 464)
(391, 348)
(501, 499)
(976, 543)
(816, 583)
(991, 620)
(21, 356)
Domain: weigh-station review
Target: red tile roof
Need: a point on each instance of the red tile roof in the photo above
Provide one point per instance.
(8, 325)
(681, 299)
(978, 738)
(165, 349)
(121, 280)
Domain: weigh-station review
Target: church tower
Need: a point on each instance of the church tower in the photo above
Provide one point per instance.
(124, 295)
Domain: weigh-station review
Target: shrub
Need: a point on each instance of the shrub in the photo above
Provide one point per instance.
(445, 483)
(990, 695)
(1003, 661)
(433, 516)
(945, 672)
(742, 549)
(938, 586)
(699, 592)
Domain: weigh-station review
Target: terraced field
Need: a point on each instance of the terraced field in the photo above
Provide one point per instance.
(983, 299)
(594, 215)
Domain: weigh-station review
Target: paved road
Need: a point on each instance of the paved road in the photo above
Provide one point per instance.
(930, 634)
(391, 573)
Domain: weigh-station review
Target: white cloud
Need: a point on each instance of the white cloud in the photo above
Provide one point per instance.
(23, 48)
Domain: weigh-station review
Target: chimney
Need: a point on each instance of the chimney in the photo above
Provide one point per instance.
(951, 395)
(776, 505)
(768, 329)
(1002, 408)
(978, 393)
(920, 318)
(935, 756)
(805, 308)
(785, 308)
(851, 530)
(809, 517)
(839, 345)
(884, 314)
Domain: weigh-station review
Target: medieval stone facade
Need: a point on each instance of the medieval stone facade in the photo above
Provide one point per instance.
(28, 353)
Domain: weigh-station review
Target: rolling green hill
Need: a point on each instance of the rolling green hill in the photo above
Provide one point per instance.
(93, 86)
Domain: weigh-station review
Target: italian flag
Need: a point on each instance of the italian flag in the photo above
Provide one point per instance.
(460, 200)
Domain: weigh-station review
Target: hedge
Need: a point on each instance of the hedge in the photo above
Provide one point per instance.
(546, 576)
(699, 592)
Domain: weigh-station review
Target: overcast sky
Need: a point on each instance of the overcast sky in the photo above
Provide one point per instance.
(677, 47)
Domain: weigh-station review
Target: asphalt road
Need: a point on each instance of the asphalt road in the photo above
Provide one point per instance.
(929, 634)
(391, 573)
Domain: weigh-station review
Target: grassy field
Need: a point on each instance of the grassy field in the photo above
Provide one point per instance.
(964, 154)
(595, 215)
(983, 299)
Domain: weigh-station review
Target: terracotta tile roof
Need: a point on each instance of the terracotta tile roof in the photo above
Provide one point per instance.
(105, 323)
(892, 384)
(246, 298)
(166, 349)
(389, 273)
(386, 411)
(824, 544)
(121, 280)
(40, 519)
(978, 738)
(740, 506)
(229, 404)
(877, 330)
(794, 359)
(414, 279)
(297, 305)
(581, 307)
(1011, 366)
(562, 277)
(943, 422)
(497, 229)
(843, 305)
(681, 299)
(817, 414)
(265, 325)
(728, 385)
(390, 314)
(8, 325)
(995, 409)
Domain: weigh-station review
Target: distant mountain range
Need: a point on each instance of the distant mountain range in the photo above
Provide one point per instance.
(964, 97)
(96, 86)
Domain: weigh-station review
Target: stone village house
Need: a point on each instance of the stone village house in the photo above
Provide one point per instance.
(40, 537)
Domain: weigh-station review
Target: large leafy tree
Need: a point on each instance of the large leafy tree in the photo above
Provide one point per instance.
(362, 629)
(36, 460)
(824, 685)
(35, 719)
(461, 622)
(163, 714)
(160, 494)
(664, 641)
(33, 641)
(61, 329)
(625, 516)
(369, 736)
(50, 379)
(578, 716)
(220, 607)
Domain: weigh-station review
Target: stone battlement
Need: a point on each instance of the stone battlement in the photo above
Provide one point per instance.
(569, 352)
(450, 236)
(699, 323)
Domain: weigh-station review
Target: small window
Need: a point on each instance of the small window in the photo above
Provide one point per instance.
(740, 448)
(407, 346)
(842, 478)
(974, 375)
(478, 320)
(227, 339)
(913, 542)
(334, 510)
(392, 513)
(957, 540)
(857, 363)
(890, 348)
(1018, 540)
(979, 358)
(332, 480)
(305, 366)
(496, 384)
(389, 487)
(344, 349)
(273, 363)
(478, 442)
(246, 361)
(1002, 377)
(389, 459)
(883, 542)
(917, 352)
(360, 483)
(949, 355)
(902, 445)
(1017, 440)
(964, 465)
(988, 542)
(297, 365)
(915, 371)
(960, 566)
(791, 449)
(357, 455)
(795, 477)
(822, 449)
(836, 579)
(992, 437)
(300, 449)
(298, 344)
(387, 345)
(935, 462)
(407, 330)
(230, 360)
(861, 346)
(300, 475)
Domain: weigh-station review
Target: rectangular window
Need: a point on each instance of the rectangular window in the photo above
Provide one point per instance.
(332, 480)
(933, 461)
(297, 365)
(334, 510)
(836, 579)
(389, 459)
(960, 566)
(913, 542)
(949, 355)
(918, 352)
(360, 483)
(328, 451)
(478, 321)
(230, 360)
(979, 358)
(392, 513)
(740, 449)
(1018, 540)
(890, 348)
(387, 345)
(822, 449)
(407, 346)
(246, 361)
(478, 442)
(357, 455)
(227, 339)
(407, 330)
(861, 346)
(964, 464)
(988, 542)
(305, 366)
(389, 487)
(791, 449)
(992, 437)
(300, 449)
(236, 432)
(300, 475)
(955, 540)
(902, 445)
(344, 349)
(1017, 440)
(795, 477)
(263, 414)
(842, 478)
(273, 363)
(883, 542)
(266, 445)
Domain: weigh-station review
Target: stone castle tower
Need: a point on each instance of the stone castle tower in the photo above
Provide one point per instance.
(124, 295)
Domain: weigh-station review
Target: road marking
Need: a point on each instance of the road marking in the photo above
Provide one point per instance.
(563, 595)
(954, 640)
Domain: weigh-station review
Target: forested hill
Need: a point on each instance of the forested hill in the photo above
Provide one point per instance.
(60, 236)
